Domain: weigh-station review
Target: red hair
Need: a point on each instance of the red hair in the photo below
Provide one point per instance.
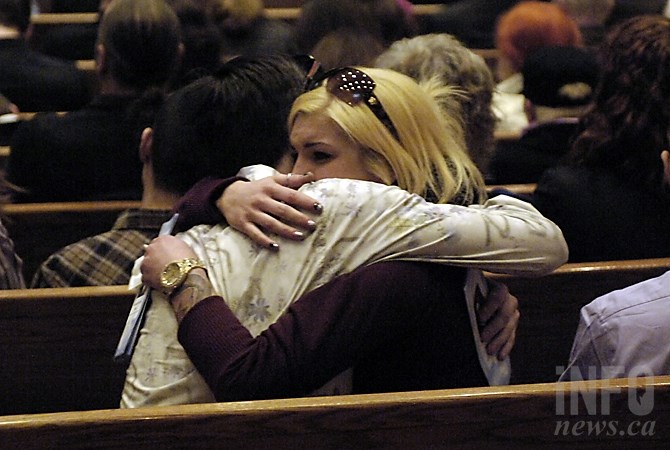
(531, 25)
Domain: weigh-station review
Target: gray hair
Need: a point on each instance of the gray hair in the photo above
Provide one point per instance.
(442, 56)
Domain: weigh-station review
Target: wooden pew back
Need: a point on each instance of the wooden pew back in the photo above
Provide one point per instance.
(57, 347)
(527, 416)
(4, 154)
(57, 344)
(39, 229)
(550, 308)
(526, 189)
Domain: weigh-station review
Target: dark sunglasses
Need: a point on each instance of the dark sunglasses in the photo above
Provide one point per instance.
(348, 84)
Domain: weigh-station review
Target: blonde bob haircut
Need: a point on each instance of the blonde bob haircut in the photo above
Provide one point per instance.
(428, 158)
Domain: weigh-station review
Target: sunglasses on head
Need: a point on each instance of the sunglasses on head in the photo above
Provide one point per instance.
(350, 85)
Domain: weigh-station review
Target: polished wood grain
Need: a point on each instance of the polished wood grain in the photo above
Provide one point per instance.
(57, 347)
(63, 18)
(506, 417)
(523, 189)
(289, 13)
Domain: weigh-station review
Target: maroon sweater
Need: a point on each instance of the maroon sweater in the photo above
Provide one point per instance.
(198, 204)
(402, 326)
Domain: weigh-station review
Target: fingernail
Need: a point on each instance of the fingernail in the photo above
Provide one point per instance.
(308, 174)
(299, 234)
(311, 224)
(273, 246)
(318, 207)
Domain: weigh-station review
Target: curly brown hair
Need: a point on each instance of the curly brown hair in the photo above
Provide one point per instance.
(626, 127)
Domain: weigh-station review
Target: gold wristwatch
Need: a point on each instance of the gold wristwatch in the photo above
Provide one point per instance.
(174, 274)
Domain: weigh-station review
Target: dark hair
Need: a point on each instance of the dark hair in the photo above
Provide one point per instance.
(347, 47)
(383, 19)
(221, 123)
(201, 37)
(626, 128)
(15, 13)
(141, 40)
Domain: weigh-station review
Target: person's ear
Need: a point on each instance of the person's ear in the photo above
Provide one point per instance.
(181, 49)
(529, 109)
(665, 157)
(100, 58)
(146, 145)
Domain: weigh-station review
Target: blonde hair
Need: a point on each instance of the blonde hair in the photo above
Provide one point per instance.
(428, 158)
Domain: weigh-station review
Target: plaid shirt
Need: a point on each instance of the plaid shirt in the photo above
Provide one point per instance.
(105, 259)
(10, 264)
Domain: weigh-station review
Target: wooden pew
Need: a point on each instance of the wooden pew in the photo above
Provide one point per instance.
(507, 135)
(70, 334)
(88, 67)
(524, 417)
(57, 347)
(4, 154)
(519, 189)
(550, 308)
(288, 13)
(48, 19)
(39, 229)
(283, 3)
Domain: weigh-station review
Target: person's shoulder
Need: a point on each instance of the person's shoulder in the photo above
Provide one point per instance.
(62, 266)
(80, 263)
(591, 184)
(32, 129)
(561, 190)
(39, 127)
(628, 326)
(567, 178)
(91, 244)
(648, 295)
(46, 62)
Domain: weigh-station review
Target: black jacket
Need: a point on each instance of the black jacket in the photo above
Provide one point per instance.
(36, 82)
(602, 216)
(539, 148)
(89, 154)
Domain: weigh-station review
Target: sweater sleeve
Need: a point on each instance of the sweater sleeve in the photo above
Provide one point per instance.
(198, 205)
(325, 332)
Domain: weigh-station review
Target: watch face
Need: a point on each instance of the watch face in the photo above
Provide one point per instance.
(171, 275)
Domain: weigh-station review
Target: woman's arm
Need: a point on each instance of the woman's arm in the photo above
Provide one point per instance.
(498, 315)
(504, 235)
(325, 332)
(271, 205)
